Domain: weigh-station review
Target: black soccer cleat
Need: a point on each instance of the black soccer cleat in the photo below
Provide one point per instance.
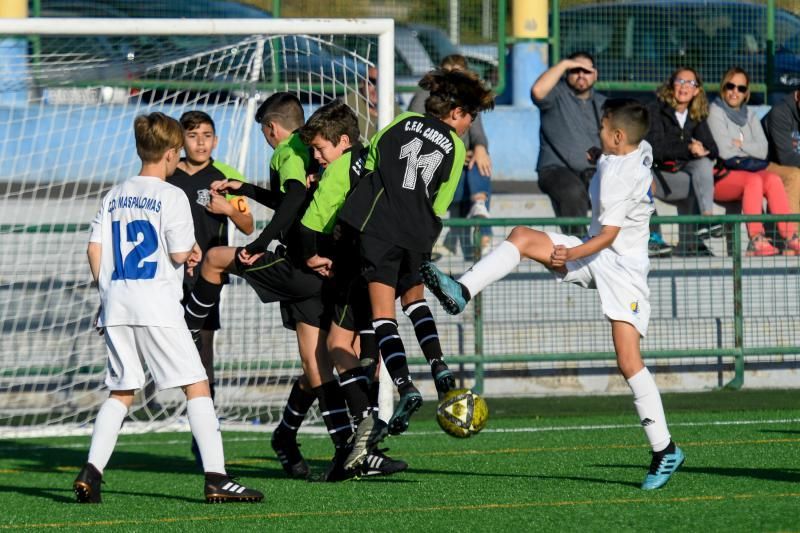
(369, 432)
(380, 464)
(410, 401)
(442, 377)
(335, 470)
(87, 485)
(221, 488)
(288, 452)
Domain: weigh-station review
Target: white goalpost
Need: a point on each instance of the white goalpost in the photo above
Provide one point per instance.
(69, 91)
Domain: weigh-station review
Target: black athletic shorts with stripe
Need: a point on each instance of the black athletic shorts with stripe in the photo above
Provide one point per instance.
(387, 263)
(275, 278)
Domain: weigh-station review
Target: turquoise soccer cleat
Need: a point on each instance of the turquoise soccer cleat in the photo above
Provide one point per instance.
(662, 469)
(409, 402)
(446, 289)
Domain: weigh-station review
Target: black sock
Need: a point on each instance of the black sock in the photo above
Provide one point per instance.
(374, 391)
(296, 408)
(369, 345)
(392, 351)
(355, 387)
(204, 296)
(669, 449)
(425, 329)
(333, 407)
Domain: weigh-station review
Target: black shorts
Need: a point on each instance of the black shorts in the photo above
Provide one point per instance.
(386, 263)
(311, 311)
(276, 279)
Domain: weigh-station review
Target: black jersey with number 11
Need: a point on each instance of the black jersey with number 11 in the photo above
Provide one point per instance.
(412, 172)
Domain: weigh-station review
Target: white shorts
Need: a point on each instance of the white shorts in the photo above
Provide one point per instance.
(169, 353)
(620, 280)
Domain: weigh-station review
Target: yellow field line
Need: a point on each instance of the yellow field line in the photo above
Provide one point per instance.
(405, 511)
(450, 453)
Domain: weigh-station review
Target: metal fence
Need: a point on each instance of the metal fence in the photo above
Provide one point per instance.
(638, 44)
(705, 309)
(425, 32)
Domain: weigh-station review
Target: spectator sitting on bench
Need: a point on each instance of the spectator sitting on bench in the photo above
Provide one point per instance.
(684, 153)
(782, 126)
(747, 177)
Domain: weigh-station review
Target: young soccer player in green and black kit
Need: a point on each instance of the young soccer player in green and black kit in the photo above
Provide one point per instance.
(411, 174)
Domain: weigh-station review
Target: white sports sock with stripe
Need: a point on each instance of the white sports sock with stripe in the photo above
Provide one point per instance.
(106, 430)
(499, 263)
(205, 428)
(647, 400)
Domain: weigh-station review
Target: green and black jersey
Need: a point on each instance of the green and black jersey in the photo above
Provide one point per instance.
(290, 161)
(334, 186)
(411, 175)
(210, 229)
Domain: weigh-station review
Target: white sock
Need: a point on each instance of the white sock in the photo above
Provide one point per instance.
(499, 263)
(106, 430)
(205, 428)
(647, 400)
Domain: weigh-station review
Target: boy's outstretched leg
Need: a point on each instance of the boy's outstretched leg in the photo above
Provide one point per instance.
(454, 295)
(667, 457)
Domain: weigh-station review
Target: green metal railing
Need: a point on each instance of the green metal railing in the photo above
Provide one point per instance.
(730, 265)
(753, 302)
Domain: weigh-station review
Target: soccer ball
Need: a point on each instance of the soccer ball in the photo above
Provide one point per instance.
(462, 413)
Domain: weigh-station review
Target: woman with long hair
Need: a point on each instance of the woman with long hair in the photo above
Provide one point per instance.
(684, 153)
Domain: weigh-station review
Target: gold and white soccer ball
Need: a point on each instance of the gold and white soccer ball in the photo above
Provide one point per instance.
(462, 413)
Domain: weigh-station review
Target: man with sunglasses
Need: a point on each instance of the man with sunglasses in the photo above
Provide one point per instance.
(570, 112)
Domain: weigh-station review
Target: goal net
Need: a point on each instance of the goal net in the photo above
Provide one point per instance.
(69, 91)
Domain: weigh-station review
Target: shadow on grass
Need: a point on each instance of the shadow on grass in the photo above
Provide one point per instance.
(784, 431)
(787, 475)
(64, 494)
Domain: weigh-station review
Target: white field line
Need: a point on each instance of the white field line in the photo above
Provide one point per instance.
(319, 432)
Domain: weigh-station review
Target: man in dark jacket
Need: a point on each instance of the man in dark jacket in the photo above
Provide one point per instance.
(782, 126)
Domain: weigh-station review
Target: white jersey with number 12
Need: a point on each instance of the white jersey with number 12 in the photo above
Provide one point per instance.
(140, 222)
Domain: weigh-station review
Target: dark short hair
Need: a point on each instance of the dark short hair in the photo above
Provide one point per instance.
(450, 89)
(331, 121)
(582, 53)
(193, 119)
(283, 108)
(629, 115)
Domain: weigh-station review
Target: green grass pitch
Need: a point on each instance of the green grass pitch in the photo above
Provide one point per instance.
(547, 464)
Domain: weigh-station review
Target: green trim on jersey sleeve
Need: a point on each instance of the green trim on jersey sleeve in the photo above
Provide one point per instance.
(290, 160)
(329, 197)
(372, 157)
(444, 196)
(230, 173)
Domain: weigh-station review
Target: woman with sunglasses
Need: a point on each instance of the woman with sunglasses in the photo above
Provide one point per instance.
(684, 153)
(743, 150)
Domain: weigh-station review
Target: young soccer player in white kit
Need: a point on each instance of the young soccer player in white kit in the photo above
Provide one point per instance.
(613, 260)
(140, 239)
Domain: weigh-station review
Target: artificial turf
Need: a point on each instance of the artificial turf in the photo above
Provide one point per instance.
(547, 464)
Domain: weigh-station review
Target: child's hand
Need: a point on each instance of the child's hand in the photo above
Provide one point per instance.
(194, 259)
(219, 205)
(593, 154)
(559, 257)
(225, 186)
(248, 259)
(321, 265)
(311, 179)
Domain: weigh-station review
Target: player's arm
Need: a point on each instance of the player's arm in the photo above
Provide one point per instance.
(232, 206)
(94, 252)
(191, 258)
(561, 254)
(283, 218)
